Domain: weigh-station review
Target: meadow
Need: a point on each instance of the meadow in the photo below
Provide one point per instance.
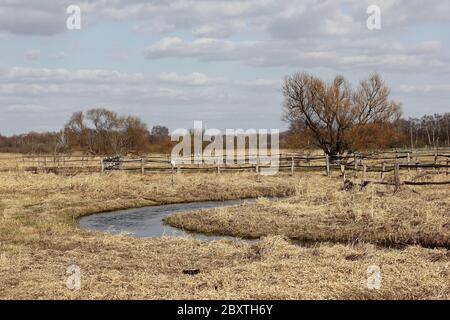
(316, 244)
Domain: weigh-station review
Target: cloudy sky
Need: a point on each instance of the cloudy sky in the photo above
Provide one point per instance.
(173, 62)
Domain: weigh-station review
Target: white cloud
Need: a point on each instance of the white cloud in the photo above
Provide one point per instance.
(205, 49)
(171, 99)
(26, 108)
(260, 83)
(223, 29)
(342, 54)
(64, 75)
(195, 78)
(427, 88)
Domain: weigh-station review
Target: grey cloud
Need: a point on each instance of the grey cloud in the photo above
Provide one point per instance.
(404, 13)
(26, 108)
(33, 18)
(342, 55)
(290, 19)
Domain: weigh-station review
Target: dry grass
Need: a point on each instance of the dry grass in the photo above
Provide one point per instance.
(39, 240)
(322, 211)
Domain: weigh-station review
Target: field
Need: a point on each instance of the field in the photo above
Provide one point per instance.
(317, 243)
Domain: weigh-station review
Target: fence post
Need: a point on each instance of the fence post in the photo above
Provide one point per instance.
(409, 161)
(172, 169)
(142, 167)
(257, 164)
(356, 162)
(435, 161)
(292, 166)
(327, 163)
(446, 172)
(383, 168)
(364, 171)
(397, 176)
(102, 166)
(343, 172)
(218, 167)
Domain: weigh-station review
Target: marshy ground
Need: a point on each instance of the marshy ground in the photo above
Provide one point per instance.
(321, 211)
(40, 238)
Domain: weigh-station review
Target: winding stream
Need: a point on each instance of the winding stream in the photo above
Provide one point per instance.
(148, 221)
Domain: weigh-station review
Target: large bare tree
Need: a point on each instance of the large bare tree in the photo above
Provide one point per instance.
(334, 113)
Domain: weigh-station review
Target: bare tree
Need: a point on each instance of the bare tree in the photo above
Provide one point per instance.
(333, 112)
(75, 130)
(136, 136)
(106, 127)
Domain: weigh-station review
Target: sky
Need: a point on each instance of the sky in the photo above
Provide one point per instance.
(220, 62)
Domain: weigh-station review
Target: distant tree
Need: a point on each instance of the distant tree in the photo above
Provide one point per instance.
(102, 131)
(75, 131)
(107, 126)
(334, 114)
(160, 132)
(136, 135)
(427, 131)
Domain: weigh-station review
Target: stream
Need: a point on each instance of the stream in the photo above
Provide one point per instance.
(148, 221)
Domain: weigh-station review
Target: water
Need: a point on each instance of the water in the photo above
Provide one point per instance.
(148, 221)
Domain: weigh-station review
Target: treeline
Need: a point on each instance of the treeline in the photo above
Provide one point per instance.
(429, 131)
(97, 131)
(101, 131)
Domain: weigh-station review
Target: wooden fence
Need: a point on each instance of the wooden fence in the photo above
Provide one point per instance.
(361, 163)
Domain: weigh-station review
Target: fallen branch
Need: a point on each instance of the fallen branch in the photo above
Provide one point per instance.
(416, 183)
